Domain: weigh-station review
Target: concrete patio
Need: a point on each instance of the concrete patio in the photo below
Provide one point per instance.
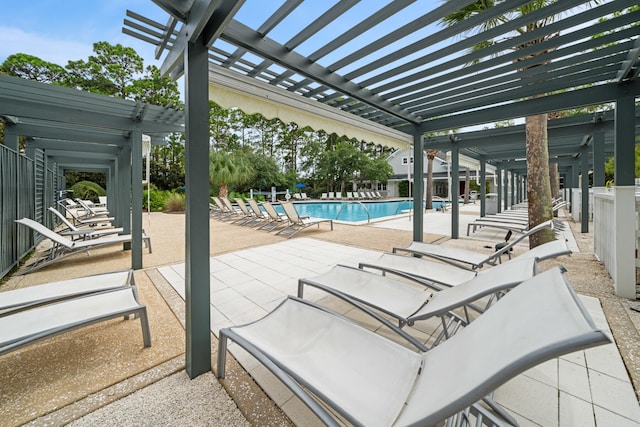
(251, 271)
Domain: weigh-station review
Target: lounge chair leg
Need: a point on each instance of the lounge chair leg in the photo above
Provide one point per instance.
(144, 322)
(222, 355)
(500, 410)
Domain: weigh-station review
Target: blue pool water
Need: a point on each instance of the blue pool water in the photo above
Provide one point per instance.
(353, 211)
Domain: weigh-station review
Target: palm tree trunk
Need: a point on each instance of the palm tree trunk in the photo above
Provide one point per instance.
(431, 154)
(538, 185)
(467, 180)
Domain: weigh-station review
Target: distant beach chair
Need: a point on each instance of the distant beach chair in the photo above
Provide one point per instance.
(261, 217)
(324, 196)
(298, 223)
(304, 196)
(349, 195)
(84, 220)
(332, 195)
(245, 217)
(82, 233)
(91, 209)
(275, 219)
(339, 195)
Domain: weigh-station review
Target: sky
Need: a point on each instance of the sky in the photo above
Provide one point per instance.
(60, 31)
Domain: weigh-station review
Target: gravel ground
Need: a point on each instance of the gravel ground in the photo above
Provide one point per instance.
(175, 400)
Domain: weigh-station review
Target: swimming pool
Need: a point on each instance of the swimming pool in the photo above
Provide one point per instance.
(353, 211)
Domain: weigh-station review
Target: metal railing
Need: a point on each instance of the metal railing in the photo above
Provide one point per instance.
(27, 188)
(345, 204)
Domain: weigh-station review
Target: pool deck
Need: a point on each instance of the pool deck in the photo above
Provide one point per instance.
(593, 387)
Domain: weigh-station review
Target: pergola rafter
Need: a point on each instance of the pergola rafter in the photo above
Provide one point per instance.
(391, 65)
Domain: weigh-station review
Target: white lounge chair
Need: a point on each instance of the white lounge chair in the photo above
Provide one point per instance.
(222, 211)
(260, 216)
(298, 223)
(246, 217)
(25, 327)
(465, 258)
(429, 272)
(408, 303)
(275, 219)
(92, 210)
(369, 380)
(83, 220)
(19, 299)
(82, 233)
(63, 247)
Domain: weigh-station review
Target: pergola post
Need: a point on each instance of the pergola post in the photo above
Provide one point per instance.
(11, 137)
(574, 182)
(455, 192)
(499, 189)
(197, 281)
(584, 187)
(418, 187)
(123, 216)
(483, 186)
(514, 183)
(136, 199)
(598, 159)
(505, 189)
(625, 201)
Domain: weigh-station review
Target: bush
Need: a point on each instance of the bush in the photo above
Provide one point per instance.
(174, 202)
(157, 199)
(87, 190)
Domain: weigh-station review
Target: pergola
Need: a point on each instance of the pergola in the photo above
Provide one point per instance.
(391, 64)
(81, 131)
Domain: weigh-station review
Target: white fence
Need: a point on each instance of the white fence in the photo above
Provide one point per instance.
(604, 229)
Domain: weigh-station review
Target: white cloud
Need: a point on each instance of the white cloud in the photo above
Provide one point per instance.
(58, 51)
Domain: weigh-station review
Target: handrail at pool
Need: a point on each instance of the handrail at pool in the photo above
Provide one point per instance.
(402, 204)
(344, 204)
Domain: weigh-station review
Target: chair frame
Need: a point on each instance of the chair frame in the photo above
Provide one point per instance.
(275, 219)
(31, 296)
(82, 233)
(376, 292)
(108, 304)
(427, 394)
(63, 247)
(468, 259)
(298, 223)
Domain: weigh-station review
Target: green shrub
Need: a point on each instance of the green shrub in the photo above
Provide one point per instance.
(174, 202)
(87, 190)
(157, 199)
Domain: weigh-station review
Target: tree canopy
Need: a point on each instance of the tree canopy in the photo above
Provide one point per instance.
(248, 151)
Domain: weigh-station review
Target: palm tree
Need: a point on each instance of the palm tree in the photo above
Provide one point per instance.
(431, 154)
(228, 168)
(539, 187)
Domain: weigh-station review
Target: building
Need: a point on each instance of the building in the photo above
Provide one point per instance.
(402, 163)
